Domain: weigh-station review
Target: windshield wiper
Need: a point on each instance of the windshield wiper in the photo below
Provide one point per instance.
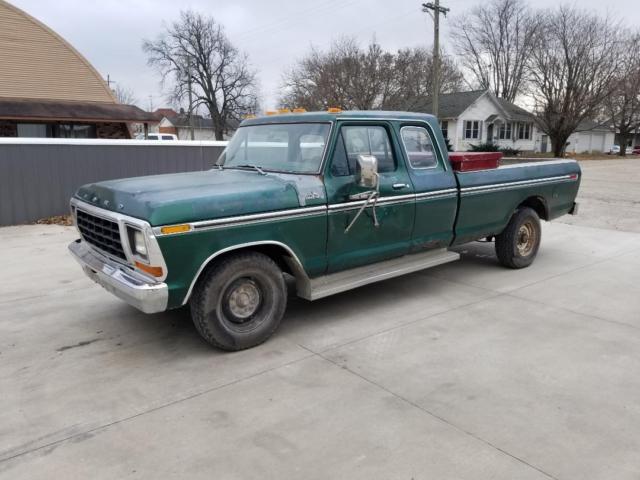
(255, 167)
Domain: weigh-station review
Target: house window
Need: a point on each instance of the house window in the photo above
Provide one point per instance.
(56, 130)
(505, 131)
(444, 126)
(524, 131)
(74, 131)
(471, 129)
(36, 130)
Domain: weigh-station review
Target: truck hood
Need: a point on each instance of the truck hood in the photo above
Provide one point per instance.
(193, 196)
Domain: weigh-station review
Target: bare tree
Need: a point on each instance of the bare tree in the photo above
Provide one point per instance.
(124, 95)
(494, 42)
(411, 80)
(350, 77)
(573, 68)
(345, 77)
(194, 52)
(623, 105)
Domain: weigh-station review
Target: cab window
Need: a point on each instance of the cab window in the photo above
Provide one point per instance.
(362, 140)
(417, 143)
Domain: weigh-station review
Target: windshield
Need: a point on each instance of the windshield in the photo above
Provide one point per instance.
(283, 147)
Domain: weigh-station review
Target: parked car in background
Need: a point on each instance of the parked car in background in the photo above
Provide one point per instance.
(636, 150)
(158, 136)
(615, 150)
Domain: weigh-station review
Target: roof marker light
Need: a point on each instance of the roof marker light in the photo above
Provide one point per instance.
(299, 110)
(334, 110)
(270, 112)
(284, 110)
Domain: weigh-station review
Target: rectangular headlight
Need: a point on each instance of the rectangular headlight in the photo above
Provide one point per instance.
(137, 242)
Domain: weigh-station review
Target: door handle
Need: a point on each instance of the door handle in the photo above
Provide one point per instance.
(400, 186)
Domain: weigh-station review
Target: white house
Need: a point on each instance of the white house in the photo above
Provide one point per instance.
(478, 116)
(469, 118)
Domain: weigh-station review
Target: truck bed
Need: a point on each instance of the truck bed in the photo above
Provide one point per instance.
(488, 198)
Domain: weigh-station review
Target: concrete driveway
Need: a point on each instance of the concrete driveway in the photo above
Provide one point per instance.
(466, 371)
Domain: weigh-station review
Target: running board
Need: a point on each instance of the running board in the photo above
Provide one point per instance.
(315, 288)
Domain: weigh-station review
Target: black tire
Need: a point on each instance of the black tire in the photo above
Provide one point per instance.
(239, 302)
(517, 246)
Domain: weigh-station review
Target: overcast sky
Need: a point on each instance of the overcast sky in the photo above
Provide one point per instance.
(273, 33)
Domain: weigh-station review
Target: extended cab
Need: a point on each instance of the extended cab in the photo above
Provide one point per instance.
(335, 200)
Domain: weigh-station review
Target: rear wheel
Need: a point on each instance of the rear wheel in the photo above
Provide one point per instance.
(239, 302)
(517, 246)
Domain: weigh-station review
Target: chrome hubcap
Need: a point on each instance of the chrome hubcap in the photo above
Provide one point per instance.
(526, 239)
(244, 299)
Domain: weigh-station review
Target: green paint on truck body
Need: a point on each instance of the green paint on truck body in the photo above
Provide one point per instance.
(433, 207)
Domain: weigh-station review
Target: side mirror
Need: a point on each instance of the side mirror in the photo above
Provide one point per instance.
(368, 175)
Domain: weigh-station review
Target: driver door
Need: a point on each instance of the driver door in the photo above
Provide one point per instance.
(365, 243)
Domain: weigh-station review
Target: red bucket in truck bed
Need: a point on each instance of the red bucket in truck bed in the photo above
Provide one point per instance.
(471, 161)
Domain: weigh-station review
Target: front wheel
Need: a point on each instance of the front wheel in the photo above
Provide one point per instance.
(517, 246)
(239, 302)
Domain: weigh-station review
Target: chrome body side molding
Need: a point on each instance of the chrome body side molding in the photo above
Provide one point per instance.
(513, 185)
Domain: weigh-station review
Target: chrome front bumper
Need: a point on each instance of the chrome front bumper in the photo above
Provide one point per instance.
(135, 289)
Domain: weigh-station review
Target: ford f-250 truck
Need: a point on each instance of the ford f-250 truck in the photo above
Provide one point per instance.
(336, 200)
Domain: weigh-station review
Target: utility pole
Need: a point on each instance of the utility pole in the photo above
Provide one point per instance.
(193, 137)
(437, 10)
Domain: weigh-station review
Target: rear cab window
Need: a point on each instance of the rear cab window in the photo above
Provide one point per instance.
(418, 147)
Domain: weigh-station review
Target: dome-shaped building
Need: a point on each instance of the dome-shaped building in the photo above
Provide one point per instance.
(48, 89)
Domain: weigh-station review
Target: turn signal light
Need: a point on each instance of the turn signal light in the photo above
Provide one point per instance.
(334, 110)
(155, 271)
(175, 229)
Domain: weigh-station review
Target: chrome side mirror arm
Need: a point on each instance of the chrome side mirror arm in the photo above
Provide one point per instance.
(371, 198)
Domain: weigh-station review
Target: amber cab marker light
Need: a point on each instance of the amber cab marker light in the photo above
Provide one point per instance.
(270, 112)
(299, 110)
(175, 229)
(284, 110)
(249, 116)
(334, 110)
(155, 271)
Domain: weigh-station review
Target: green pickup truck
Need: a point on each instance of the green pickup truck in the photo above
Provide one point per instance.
(330, 200)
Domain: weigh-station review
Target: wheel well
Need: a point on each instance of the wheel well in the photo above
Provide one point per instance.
(275, 252)
(538, 204)
(278, 253)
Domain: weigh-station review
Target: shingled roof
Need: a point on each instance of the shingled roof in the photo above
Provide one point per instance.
(42, 110)
(452, 105)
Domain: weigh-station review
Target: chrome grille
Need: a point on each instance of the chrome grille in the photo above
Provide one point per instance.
(101, 233)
